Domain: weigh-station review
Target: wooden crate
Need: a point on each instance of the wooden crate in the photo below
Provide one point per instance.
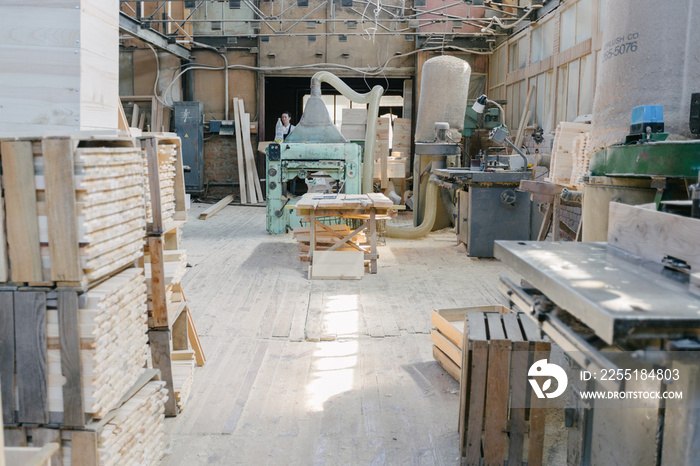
(59, 79)
(71, 357)
(495, 396)
(165, 183)
(447, 335)
(75, 208)
(131, 433)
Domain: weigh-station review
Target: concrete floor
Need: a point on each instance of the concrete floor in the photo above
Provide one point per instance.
(323, 372)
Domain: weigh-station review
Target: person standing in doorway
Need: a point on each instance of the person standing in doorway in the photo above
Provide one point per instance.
(287, 126)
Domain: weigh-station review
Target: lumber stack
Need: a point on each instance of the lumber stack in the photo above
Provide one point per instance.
(75, 208)
(183, 375)
(166, 174)
(248, 179)
(112, 328)
(354, 124)
(581, 157)
(562, 163)
(401, 140)
(135, 434)
(383, 135)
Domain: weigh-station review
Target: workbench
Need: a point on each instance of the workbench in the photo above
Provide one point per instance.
(368, 207)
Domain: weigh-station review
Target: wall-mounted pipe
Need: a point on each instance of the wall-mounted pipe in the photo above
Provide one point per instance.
(372, 99)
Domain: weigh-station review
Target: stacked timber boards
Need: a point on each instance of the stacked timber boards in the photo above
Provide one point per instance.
(75, 209)
(568, 153)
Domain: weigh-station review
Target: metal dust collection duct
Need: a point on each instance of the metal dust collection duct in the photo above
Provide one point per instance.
(443, 99)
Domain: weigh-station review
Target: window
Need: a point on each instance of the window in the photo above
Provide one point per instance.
(517, 52)
(575, 25)
(602, 14)
(542, 42)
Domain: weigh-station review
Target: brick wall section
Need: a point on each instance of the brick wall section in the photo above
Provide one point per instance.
(220, 165)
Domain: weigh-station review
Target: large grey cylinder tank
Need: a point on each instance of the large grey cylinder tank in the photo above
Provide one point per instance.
(650, 56)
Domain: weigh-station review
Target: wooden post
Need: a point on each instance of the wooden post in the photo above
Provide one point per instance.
(149, 145)
(32, 370)
(159, 340)
(7, 361)
(158, 298)
(71, 367)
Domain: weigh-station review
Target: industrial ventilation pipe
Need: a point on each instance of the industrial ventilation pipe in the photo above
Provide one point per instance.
(443, 98)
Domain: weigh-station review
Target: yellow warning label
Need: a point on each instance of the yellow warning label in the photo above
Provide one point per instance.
(186, 135)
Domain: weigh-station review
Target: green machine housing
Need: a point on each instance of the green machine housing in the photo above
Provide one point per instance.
(288, 161)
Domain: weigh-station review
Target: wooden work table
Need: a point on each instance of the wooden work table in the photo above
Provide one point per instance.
(367, 207)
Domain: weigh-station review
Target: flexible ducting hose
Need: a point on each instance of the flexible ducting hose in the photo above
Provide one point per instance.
(426, 226)
(371, 98)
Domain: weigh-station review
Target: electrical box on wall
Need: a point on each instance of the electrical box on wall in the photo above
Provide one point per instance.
(189, 126)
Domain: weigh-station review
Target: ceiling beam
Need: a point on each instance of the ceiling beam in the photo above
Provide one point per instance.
(129, 25)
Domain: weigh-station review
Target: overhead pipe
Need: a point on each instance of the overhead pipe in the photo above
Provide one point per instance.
(372, 99)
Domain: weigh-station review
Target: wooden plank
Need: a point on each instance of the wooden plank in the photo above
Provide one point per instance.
(476, 326)
(211, 211)
(61, 207)
(123, 124)
(247, 151)
(513, 332)
(30, 456)
(497, 402)
(654, 235)
(447, 363)
(464, 392)
(495, 326)
(71, 367)
(180, 333)
(519, 387)
(83, 451)
(149, 145)
(20, 200)
(537, 415)
(32, 371)
(159, 340)
(250, 158)
(7, 361)
(179, 187)
(446, 347)
(477, 397)
(4, 270)
(158, 297)
(194, 340)
(42, 437)
(239, 152)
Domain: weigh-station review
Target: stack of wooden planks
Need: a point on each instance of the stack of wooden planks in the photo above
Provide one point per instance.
(383, 134)
(112, 329)
(326, 237)
(562, 162)
(183, 362)
(401, 141)
(354, 124)
(581, 157)
(166, 175)
(248, 179)
(75, 208)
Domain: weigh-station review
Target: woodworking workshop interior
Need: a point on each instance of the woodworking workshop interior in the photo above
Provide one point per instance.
(350, 232)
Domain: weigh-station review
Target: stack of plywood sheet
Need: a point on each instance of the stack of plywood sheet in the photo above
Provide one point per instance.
(112, 327)
(354, 124)
(75, 208)
(580, 154)
(562, 164)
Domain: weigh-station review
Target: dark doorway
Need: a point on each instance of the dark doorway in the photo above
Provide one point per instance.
(287, 94)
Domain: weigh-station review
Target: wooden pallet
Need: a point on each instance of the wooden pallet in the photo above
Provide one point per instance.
(75, 211)
(70, 357)
(495, 396)
(131, 433)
